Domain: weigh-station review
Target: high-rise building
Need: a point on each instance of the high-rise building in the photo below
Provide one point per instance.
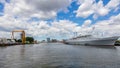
(48, 39)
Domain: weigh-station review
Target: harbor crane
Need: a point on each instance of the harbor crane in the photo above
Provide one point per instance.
(22, 35)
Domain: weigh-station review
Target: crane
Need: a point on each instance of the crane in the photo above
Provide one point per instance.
(22, 35)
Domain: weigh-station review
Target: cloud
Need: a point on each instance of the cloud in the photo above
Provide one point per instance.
(103, 28)
(87, 8)
(100, 10)
(57, 29)
(60, 29)
(2, 1)
(113, 4)
(86, 23)
(18, 12)
(109, 27)
(42, 9)
(10, 23)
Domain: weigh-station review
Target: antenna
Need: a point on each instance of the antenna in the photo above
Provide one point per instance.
(93, 28)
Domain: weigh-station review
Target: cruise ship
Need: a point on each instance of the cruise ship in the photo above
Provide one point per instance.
(92, 40)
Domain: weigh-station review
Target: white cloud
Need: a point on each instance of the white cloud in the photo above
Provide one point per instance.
(4, 34)
(2, 1)
(113, 4)
(66, 28)
(17, 12)
(109, 27)
(89, 7)
(57, 29)
(25, 9)
(43, 9)
(103, 28)
(99, 9)
(85, 8)
(86, 23)
(8, 24)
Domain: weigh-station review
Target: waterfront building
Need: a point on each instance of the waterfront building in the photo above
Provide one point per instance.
(48, 39)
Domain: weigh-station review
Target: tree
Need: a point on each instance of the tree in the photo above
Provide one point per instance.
(30, 39)
(19, 40)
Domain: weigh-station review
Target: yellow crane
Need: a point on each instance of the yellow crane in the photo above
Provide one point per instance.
(22, 36)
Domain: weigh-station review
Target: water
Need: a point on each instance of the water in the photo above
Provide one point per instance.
(58, 55)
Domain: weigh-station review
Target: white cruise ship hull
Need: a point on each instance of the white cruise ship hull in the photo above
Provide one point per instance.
(100, 41)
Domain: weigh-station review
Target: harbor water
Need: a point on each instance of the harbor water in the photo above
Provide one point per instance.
(59, 55)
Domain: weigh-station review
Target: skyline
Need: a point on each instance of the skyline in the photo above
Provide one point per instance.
(59, 19)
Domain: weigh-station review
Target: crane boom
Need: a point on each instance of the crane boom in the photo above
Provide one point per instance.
(23, 35)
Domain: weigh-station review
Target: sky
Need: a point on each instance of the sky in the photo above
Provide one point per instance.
(59, 19)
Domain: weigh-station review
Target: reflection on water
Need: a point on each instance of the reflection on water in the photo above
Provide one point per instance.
(58, 55)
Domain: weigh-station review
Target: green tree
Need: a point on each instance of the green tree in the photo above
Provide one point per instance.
(30, 39)
(19, 40)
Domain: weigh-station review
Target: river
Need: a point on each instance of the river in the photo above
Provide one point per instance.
(58, 55)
